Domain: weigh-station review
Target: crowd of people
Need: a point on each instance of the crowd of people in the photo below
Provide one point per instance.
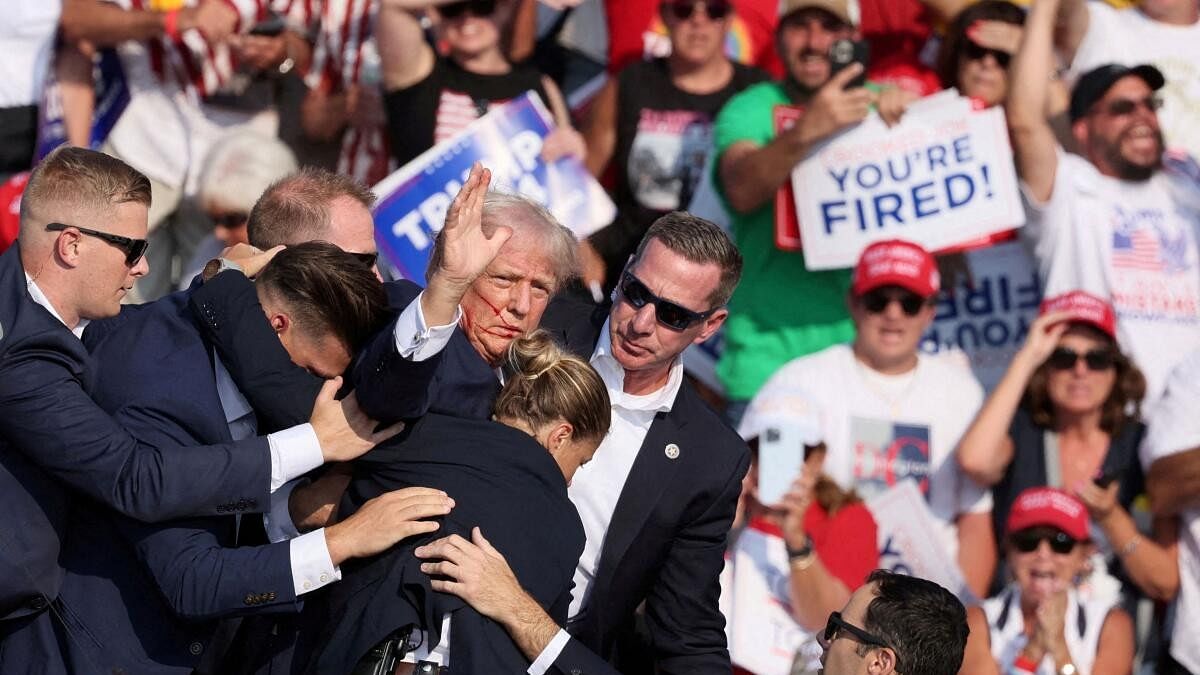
(231, 441)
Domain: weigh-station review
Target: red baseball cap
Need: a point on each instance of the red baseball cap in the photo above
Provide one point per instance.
(895, 262)
(1083, 307)
(1048, 506)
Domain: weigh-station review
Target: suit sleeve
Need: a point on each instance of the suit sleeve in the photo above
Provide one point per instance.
(687, 629)
(47, 416)
(576, 659)
(232, 320)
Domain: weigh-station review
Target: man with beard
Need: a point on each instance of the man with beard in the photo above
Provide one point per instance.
(1116, 221)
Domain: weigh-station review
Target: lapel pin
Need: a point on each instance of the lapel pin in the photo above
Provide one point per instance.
(672, 451)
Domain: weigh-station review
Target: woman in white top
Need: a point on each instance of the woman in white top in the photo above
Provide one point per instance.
(1044, 622)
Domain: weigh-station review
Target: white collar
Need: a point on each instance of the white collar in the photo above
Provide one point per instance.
(614, 378)
(40, 298)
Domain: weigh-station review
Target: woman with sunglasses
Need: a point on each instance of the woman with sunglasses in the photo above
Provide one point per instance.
(975, 52)
(1066, 414)
(428, 98)
(1044, 622)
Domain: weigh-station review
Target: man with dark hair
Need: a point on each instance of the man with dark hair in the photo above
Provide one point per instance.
(83, 228)
(1120, 219)
(184, 575)
(896, 624)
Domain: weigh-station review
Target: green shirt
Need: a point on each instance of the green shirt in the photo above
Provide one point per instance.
(781, 310)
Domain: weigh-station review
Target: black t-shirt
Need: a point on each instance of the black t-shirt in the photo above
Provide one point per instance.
(664, 136)
(446, 101)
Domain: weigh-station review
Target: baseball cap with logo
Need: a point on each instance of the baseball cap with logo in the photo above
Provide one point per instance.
(1083, 307)
(839, 8)
(1051, 507)
(895, 262)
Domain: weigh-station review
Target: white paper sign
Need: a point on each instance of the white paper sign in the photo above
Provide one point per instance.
(907, 539)
(942, 177)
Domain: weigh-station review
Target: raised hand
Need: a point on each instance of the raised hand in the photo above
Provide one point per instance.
(343, 430)
(999, 35)
(797, 500)
(385, 520)
(834, 107)
(249, 258)
(1043, 337)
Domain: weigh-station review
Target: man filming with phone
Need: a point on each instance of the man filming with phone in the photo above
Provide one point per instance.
(754, 159)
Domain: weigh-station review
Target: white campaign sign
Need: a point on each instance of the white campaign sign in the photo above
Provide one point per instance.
(942, 177)
(907, 539)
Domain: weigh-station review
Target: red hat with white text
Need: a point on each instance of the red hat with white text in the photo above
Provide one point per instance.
(1050, 507)
(1083, 307)
(895, 262)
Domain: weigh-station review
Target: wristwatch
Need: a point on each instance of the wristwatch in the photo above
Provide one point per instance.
(801, 558)
(218, 265)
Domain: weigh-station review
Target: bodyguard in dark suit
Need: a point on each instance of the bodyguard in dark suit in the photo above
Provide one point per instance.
(59, 275)
(150, 601)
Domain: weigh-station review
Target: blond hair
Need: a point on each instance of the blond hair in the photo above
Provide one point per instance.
(545, 384)
(72, 180)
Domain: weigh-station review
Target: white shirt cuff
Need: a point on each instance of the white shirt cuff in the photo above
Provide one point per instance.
(416, 341)
(294, 452)
(550, 654)
(277, 521)
(312, 567)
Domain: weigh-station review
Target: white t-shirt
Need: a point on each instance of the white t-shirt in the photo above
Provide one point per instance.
(1175, 427)
(27, 40)
(1006, 628)
(1134, 243)
(880, 429)
(1129, 37)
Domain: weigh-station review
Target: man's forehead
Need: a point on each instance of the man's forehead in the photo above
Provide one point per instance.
(1126, 86)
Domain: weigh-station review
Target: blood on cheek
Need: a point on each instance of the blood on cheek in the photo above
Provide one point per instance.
(495, 310)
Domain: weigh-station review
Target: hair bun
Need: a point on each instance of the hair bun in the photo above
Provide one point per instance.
(533, 355)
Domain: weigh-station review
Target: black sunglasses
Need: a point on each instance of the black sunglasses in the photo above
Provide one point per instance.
(685, 9)
(134, 248)
(476, 7)
(1126, 106)
(668, 313)
(877, 300)
(231, 220)
(976, 52)
(367, 259)
(1064, 358)
(1028, 540)
(837, 624)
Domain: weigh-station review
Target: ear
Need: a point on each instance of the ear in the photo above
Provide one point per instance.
(558, 435)
(281, 323)
(1079, 129)
(711, 325)
(881, 661)
(66, 248)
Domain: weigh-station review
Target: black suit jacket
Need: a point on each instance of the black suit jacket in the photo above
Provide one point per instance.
(54, 437)
(666, 543)
(503, 482)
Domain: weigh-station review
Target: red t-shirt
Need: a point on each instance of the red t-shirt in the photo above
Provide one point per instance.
(847, 543)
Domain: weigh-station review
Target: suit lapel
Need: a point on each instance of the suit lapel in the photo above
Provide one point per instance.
(652, 471)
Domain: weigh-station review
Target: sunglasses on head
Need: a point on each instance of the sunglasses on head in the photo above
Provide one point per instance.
(877, 300)
(836, 624)
(476, 7)
(976, 52)
(1065, 358)
(231, 220)
(668, 313)
(1126, 106)
(134, 248)
(685, 9)
(1028, 541)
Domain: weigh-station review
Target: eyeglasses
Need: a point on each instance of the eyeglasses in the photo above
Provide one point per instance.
(877, 300)
(668, 313)
(476, 7)
(367, 259)
(231, 220)
(1064, 358)
(976, 52)
(685, 9)
(1126, 106)
(1028, 540)
(837, 624)
(134, 248)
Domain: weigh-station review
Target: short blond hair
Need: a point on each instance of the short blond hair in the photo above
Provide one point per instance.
(74, 179)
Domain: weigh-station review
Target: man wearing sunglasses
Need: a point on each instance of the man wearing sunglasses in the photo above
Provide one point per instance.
(1120, 219)
(896, 624)
(60, 275)
(890, 412)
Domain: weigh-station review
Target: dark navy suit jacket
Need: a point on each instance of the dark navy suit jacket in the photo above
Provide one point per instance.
(53, 437)
(148, 595)
(666, 542)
